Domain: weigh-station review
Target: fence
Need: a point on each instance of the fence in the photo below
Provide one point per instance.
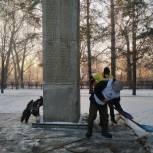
(27, 85)
(147, 84)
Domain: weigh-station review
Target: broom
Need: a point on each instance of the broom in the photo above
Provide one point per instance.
(147, 128)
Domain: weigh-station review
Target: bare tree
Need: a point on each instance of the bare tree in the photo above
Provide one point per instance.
(15, 15)
(88, 43)
(113, 49)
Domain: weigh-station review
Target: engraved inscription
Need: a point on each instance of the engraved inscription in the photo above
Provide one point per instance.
(61, 57)
(58, 62)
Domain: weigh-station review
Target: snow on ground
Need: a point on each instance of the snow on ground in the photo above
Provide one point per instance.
(14, 101)
(140, 106)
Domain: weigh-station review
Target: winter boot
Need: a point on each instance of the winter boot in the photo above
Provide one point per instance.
(106, 134)
(113, 120)
(89, 133)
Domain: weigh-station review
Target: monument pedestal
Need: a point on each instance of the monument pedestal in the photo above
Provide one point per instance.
(61, 103)
(57, 125)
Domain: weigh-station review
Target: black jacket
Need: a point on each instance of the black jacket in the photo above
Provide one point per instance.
(98, 92)
(99, 88)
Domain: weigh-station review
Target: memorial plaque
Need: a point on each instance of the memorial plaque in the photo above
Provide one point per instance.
(61, 60)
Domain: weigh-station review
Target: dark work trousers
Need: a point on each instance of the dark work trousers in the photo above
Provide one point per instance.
(112, 115)
(94, 107)
(114, 103)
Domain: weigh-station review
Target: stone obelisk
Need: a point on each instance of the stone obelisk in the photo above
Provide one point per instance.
(61, 60)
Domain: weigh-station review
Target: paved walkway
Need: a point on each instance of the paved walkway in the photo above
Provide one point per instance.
(16, 137)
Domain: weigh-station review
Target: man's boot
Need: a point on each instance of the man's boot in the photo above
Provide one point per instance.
(106, 134)
(89, 133)
(113, 120)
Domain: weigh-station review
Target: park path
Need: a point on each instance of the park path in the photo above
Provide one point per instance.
(16, 137)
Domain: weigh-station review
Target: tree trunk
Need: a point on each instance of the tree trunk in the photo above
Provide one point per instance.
(134, 49)
(113, 52)
(88, 45)
(6, 67)
(2, 74)
(15, 72)
(129, 70)
(22, 67)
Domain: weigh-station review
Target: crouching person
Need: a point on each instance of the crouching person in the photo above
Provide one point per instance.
(105, 92)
